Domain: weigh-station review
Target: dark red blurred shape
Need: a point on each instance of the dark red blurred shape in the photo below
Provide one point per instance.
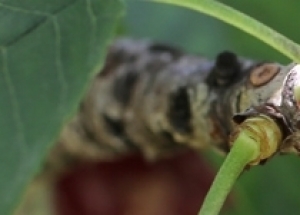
(131, 186)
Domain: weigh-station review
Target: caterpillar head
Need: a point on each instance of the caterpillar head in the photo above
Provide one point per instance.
(283, 105)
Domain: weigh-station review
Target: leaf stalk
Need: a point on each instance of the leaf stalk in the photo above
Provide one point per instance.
(256, 139)
(243, 22)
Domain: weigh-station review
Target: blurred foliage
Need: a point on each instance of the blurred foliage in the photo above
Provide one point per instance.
(269, 189)
(48, 52)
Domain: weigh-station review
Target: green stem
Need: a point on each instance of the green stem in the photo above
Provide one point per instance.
(244, 150)
(243, 22)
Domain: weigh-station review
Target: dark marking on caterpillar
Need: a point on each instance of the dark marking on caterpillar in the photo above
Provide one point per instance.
(168, 136)
(226, 70)
(238, 102)
(116, 128)
(179, 114)
(122, 89)
(111, 63)
(115, 58)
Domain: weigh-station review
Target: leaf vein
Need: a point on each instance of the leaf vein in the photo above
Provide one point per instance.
(16, 111)
(93, 19)
(27, 32)
(21, 10)
(91, 13)
(59, 65)
(37, 25)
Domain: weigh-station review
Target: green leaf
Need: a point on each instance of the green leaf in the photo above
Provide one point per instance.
(48, 52)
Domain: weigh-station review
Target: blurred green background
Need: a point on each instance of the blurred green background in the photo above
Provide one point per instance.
(269, 189)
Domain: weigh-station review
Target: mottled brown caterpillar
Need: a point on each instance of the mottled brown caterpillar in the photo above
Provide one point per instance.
(156, 100)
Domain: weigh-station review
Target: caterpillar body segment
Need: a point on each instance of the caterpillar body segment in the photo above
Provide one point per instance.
(159, 101)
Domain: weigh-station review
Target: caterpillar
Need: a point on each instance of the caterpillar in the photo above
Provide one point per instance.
(159, 101)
